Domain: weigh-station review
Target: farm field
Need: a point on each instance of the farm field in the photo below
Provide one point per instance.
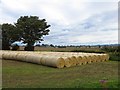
(27, 75)
(67, 49)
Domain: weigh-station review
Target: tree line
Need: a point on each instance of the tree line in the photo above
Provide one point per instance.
(28, 29)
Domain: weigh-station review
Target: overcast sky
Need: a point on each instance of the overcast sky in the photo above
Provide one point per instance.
(73, 22)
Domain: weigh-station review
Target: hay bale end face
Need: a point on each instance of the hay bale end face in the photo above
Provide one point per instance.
(67, 62)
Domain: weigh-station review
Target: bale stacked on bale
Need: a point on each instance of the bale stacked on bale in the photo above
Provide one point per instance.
(82, 59)
(89, 59)
(21, 57)
(67, 61)
(33, 58)
(55, 59)
(74, 60)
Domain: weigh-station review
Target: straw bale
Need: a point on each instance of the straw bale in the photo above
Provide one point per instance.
(54, 61)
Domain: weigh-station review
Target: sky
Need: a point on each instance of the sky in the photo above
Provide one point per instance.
(73, 22)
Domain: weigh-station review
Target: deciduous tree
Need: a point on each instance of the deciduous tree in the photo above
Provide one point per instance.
(33, 29)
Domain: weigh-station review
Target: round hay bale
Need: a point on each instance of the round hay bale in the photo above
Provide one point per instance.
(3, 55)
(97, 58)
(71, 61)
(6, 56)
(85, 60)
(94, 58)
(43, 61)
(88, 58)
(54, 61)
(13, 55)
(84, 63)
(37, 60)
(74, 60)
(33, 59)
(107, 57)
(21, 57)
(82, 59)
(67, 62)
(103, 58)
(78, 61)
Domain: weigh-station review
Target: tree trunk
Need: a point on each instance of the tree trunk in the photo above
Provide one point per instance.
(29, 47)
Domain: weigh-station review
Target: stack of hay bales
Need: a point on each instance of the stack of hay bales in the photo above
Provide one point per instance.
(54, 59)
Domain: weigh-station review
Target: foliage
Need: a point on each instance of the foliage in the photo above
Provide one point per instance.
(114, 52)
(28, 29)
(32, 29)
(9, 35)
(88, 51)
(115, 56)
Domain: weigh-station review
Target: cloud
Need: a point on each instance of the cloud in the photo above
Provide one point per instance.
(72, 21)
(97, 29)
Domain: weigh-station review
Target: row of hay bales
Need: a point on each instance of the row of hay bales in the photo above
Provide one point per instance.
(55, 59)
